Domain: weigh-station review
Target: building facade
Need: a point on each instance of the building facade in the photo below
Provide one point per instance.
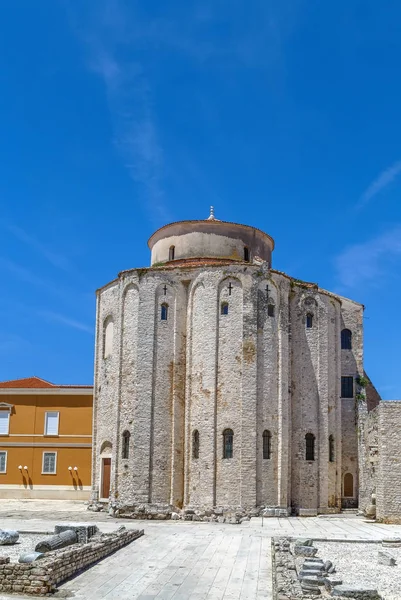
(45, 439)
(221, 382)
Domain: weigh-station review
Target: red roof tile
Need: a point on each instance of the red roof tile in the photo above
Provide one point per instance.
(35, 382)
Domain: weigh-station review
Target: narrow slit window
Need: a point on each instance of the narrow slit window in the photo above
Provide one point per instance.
(267, 444)
(331, 448)
(125, 445)
(224, 308)
(309, 321)
(346, 339)
(164, 312)
(246, 254)
(195, 444)
(171, 253)
(309, 446)
(228, 443)
(270, 310)
(347, 387)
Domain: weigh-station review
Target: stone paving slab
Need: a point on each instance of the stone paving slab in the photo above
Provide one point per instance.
(184, 560)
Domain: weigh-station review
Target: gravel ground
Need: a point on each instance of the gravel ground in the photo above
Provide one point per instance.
(25, 543)
(357, 564)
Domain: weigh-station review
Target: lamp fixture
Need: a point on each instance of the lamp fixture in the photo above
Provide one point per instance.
(70, 468)
(75, 468)
(20, 467)
(25, 468)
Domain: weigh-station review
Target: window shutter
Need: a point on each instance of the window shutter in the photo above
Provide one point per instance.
(4, 420)
(3, 462)
(52, 423)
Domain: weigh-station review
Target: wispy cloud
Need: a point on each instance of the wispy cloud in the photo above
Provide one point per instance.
(22, 273)
(135, 129)
(379, 184)
(363, 263)
(57, 260)
(64, 320)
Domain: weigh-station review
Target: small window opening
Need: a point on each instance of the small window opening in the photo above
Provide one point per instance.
(331, 448)
(195, 444)
(346, 339)
(164, 312)
(267, 444)
(347, 387)
(246, 254)
(228, 440)
(224, 308)
(171, 253)
(309, 446)
(270, 310)
(125, 448)
(309, 321)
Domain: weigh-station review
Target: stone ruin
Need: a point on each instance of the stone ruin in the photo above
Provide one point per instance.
(299, 573)
(72, 548)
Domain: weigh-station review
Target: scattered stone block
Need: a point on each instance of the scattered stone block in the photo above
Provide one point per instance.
(385, 558)
(8, 537)
(327, 565)
(356, 592)
(29, 557)
(307, 512)
(305, 551)
(175, 516)
(303, 542)
(331, 582)
(309, 573)
(391, 543)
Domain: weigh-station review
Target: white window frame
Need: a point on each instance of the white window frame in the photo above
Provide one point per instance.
(7, 412)
(5, 465)
(52, 412)
(55, 463)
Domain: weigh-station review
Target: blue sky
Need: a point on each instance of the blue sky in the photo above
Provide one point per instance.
(117, 117)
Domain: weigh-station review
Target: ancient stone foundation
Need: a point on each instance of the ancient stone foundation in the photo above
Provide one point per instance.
(42, 577)
(162, 512)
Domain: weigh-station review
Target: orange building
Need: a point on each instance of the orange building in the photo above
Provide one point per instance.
(45, 439)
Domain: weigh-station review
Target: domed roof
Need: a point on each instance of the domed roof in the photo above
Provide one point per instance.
(209, 238)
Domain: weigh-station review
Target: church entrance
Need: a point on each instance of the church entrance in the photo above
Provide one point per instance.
(106, 470)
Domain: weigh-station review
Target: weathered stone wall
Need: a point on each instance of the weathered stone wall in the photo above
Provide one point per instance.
(368, 455)
(351, 365)
(388, 488)
(248, 371)
(42, 577)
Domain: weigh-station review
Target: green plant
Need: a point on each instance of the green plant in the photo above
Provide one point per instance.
(362, 381)
(360, 397)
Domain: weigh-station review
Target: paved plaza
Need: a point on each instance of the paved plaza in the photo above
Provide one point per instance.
(184, 560)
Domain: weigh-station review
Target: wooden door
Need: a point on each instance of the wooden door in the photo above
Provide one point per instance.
(106, 477)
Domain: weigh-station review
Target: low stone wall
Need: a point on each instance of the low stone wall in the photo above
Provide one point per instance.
(43, 576)
(161, 512)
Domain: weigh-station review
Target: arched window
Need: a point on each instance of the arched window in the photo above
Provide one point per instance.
(228, 440)
(171, 253)
(195, 444)
(246, 254)
(164, 312)
(270, 310)
(309, 446)
(108, 330)
(125, 445)
(346, 339)
(348, 485)
(309, 321)
(224, 308)
(267, 444)
(331, 448)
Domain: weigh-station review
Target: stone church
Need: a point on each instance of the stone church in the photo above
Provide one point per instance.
(223, 384)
